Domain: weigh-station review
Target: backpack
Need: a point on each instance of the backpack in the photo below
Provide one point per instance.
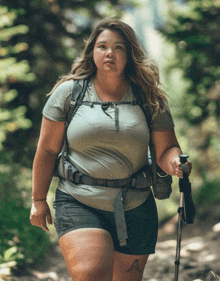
(149, 175)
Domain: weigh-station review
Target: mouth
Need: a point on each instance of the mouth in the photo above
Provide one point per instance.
(110, 61)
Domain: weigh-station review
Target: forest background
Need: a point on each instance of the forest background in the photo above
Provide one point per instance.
(39, 40)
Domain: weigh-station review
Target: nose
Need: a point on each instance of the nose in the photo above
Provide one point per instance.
(110, 52)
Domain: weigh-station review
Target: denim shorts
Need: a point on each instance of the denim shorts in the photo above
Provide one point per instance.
(141, 222)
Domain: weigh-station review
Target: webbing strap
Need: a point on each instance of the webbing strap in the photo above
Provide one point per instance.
(131, 182)
(120, 219)
(107, 104)
(142, 101)
(78, 93)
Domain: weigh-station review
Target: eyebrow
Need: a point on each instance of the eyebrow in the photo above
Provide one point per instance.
(117, 42)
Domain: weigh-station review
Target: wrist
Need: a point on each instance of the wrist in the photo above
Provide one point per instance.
(38, 199)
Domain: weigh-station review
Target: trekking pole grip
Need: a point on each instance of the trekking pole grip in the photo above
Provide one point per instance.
(184, 182)
(183, 158)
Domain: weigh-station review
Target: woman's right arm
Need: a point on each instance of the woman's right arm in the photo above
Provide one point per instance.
(49, 145)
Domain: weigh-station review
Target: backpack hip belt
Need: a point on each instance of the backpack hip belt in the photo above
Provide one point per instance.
(140, 180)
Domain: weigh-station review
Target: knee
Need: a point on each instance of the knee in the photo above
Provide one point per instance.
(92, 271)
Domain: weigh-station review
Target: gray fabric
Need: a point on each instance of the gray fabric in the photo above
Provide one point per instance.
(101, 152)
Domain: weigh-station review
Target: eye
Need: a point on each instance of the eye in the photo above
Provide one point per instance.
(119, 47)
(101, 46)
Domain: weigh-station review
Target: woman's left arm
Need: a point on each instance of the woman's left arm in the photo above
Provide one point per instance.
(167, 152)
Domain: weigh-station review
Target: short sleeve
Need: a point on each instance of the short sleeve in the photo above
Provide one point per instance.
(163, 121)
(56, 107)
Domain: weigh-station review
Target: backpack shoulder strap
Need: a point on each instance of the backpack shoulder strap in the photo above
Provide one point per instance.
(78, 94)
(142, 101)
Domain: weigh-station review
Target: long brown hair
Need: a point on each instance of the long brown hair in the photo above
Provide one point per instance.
(138, 69)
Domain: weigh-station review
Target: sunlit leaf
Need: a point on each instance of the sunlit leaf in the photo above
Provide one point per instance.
(12, 126)
(9, 253)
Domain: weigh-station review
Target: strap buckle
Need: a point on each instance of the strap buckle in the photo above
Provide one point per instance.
(77, 178)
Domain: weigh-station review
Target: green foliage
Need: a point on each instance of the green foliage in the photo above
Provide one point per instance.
(210, 191)
(207, 199)
(17, 231)
(18, 238)
(15, 71)
(194, 29)
(11, 119)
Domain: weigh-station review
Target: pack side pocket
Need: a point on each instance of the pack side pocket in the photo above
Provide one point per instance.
(163, 187)
(143, 178)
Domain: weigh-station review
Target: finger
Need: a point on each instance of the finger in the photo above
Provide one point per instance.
(179, 172)
(38, 223)
(49, 218)
(44, 225)
(179, 175)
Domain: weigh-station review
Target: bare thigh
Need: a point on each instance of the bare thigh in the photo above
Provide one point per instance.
(128, 267)
(89, 254)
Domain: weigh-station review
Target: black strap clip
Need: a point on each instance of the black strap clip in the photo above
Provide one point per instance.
(77, 178)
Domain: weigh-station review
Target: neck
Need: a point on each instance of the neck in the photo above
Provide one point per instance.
(110, 88)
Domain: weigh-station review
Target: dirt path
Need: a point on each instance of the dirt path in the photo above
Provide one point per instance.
(200, 256)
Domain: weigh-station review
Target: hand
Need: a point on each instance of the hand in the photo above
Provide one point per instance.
(177, 167)
(40, 214)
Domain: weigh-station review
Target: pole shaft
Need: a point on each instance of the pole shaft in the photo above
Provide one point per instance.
(179, 236)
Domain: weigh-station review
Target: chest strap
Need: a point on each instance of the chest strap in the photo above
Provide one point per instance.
(106, 105)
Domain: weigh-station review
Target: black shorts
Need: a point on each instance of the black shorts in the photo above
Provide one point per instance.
(141, 222)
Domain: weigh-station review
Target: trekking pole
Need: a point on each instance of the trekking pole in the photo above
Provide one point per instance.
(186, 210)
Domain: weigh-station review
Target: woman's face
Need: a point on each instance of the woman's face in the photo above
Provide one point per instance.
(110, 53)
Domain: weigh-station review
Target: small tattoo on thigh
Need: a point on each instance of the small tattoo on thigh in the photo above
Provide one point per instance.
(135, 266)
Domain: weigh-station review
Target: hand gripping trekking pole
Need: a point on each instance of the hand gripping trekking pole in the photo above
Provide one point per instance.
(186, 210)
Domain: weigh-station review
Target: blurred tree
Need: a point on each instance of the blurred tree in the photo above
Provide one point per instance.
(11, 118)
(57, 30)
(15, 229)
(194, 30)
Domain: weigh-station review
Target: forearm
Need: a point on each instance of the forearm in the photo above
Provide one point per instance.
(43, 168)
(166, 160)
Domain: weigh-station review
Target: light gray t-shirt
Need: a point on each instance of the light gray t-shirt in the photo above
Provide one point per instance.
(100, 151)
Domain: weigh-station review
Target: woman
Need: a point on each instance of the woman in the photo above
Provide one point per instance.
(84, 214)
